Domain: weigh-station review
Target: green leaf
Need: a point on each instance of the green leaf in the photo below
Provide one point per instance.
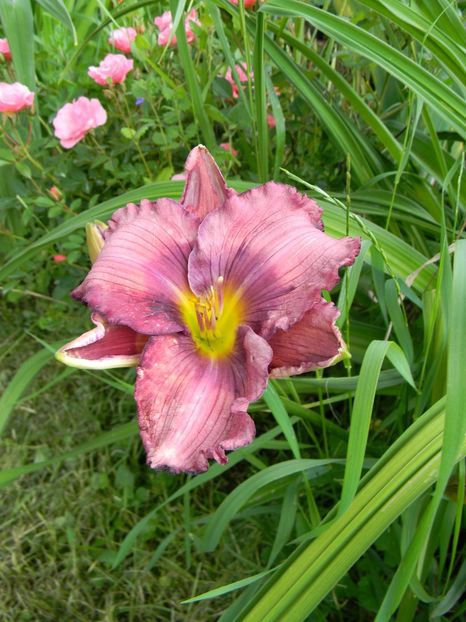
(242, 493)
(23, 169)
(453, 439)
(424, 83)
(273, 401)
(192, 81)
(345, 138)
(399, 478)
(220, 33)
(128, 133)
(362, 413)
(350, 284)
(226, 589)
(398, 319)
(384, 135)
(178, 15)
(280, 131)
(57, 9)
(455, 427)
(287, 519)
(444, 47)
(17, 21)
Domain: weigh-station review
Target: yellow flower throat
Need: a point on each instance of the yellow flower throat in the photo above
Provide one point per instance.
(213, 319)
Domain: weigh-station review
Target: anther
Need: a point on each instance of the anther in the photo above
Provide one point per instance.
(200, 315)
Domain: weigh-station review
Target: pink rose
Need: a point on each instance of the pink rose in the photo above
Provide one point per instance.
(5, 49)
(191, 18)
(164, 21)
(242, 75)
(75, 120)
(113, 67)
(228, 147)
(165, 25)
(247, 3)
(15, 97)
(122, 38)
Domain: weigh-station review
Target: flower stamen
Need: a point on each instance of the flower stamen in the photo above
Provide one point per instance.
(213, 318)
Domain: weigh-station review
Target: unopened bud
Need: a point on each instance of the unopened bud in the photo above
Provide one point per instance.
(55, 193)
(95, 238)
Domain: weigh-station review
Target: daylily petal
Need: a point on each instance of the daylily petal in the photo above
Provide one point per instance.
(268, 246)
(141, 270)
(313, 342)
(193, 407)
(205, 188)
(103, 347)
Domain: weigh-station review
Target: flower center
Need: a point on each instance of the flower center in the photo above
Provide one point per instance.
(213, 319)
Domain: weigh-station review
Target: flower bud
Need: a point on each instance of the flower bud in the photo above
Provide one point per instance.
(95, 238)
(55, 193)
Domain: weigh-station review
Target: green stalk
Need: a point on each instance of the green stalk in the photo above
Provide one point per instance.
(260, 101)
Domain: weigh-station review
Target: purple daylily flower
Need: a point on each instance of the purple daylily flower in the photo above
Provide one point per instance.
(210, 296)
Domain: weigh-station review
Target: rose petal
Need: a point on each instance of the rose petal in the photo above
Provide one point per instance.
(103, 347)
(268, 246)
(141, 271)
(205, 188)
(313, 342)
(192, 407)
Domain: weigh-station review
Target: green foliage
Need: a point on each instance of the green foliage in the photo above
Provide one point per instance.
(349, 503)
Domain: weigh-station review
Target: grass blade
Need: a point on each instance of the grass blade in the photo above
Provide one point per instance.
(19, 383)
